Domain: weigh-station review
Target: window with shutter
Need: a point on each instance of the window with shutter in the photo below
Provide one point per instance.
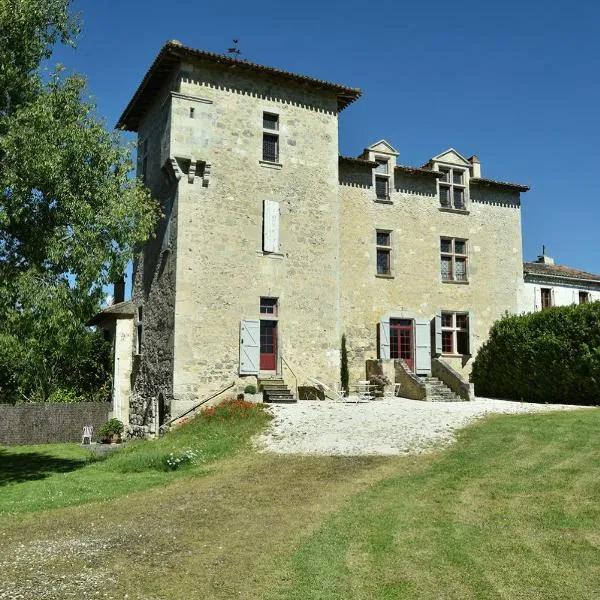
(270, 226)
(456, 333)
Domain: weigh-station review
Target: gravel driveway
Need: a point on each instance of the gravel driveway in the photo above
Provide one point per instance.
(381, 427)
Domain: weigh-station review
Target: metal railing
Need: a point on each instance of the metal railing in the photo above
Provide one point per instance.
(285, 362)
(187, 412)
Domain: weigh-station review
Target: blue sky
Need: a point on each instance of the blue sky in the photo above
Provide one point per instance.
(516, 83)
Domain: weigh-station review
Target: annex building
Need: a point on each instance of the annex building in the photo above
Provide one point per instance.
(273, 245)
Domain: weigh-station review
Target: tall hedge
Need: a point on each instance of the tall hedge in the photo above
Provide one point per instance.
(548, 356)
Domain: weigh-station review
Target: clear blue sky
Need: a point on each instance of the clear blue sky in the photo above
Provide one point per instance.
(517, 83)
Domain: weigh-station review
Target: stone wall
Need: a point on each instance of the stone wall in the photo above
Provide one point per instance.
(221, 269)
(50, 423)
(492, 227)
(154, 281)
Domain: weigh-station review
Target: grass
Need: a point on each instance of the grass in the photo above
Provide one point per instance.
(34, 478)
(508, 512)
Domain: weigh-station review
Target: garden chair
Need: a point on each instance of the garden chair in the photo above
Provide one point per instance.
(329, 391)
(392, 393)
(88, 431)
(364, 390)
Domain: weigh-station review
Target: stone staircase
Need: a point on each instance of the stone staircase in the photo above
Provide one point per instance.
(438, 391)
(275, 390)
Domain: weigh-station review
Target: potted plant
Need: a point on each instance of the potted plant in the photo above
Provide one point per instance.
(110, 432)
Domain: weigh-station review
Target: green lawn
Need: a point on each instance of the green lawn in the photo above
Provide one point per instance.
(41, 477)
(510, 511)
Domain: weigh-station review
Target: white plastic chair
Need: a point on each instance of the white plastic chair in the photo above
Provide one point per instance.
(364, 391)
(88, 431)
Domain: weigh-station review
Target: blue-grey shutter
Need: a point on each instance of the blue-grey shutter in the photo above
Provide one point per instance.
(270, 226)
(471, 330)
(422, 347)
(249, 347)
(384, 338)
(437, 332)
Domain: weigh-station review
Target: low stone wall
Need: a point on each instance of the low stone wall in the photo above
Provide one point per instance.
(454, 380)
(50, 423)
(410, 385)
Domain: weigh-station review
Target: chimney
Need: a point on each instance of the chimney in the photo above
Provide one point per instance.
(476, 168)
(544, 258)
(119, 290)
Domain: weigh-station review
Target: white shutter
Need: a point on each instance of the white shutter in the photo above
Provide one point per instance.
(437, 332)
(270, 226)
(384, 338)
(536, 292)
(422, 347)
(471, 330)
(552, 300)
(249, 347)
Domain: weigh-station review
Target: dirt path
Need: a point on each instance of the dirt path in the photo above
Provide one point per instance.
(225, 535)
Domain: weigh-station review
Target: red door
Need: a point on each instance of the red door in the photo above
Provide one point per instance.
(268, 345)
(401, 341)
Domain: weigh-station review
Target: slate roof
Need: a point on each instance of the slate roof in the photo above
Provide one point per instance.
(501, 184)
(122, 310)
(562, 271)
(173, 53)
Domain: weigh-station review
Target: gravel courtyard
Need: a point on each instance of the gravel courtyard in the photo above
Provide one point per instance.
(381, 427)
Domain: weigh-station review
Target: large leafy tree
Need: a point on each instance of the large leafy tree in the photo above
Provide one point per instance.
(70, 214)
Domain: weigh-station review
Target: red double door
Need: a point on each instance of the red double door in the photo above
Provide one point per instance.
(268, 345)
(401, 341)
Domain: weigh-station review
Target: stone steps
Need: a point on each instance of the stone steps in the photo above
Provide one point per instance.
(438, 391)
(275, 391)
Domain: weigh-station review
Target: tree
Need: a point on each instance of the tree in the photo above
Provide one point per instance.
(70, 214)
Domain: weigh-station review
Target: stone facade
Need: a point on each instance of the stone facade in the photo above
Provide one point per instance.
(200, 122)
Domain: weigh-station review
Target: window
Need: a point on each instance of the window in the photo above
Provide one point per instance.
(453, 259)
(270, 137)
(455, 333)
(268, 306)
(452, 188)
(139, 329)
(382, 166)
(270, 226)
(584, 297)
(546, 298)
(384, 252)
(382, 188)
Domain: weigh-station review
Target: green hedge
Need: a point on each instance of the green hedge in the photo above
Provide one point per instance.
(548, 356)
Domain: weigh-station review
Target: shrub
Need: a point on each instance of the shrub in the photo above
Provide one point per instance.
(111, 427)
(548, 356)
(250, 389)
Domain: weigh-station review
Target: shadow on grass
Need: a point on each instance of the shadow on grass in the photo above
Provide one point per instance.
(18, 467)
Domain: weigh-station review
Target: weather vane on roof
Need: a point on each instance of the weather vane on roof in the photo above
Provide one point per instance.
(234, 50)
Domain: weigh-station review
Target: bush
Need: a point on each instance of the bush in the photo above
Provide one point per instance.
(111, 427)
(548, 356)
(250, 389)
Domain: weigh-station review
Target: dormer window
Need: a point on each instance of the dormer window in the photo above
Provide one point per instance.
(453, 191)
(382, 166)
(382, 179)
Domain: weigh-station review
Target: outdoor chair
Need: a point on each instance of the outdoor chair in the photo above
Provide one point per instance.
(88, 431)
(392, 393)
(364, 391)
(332, 392)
